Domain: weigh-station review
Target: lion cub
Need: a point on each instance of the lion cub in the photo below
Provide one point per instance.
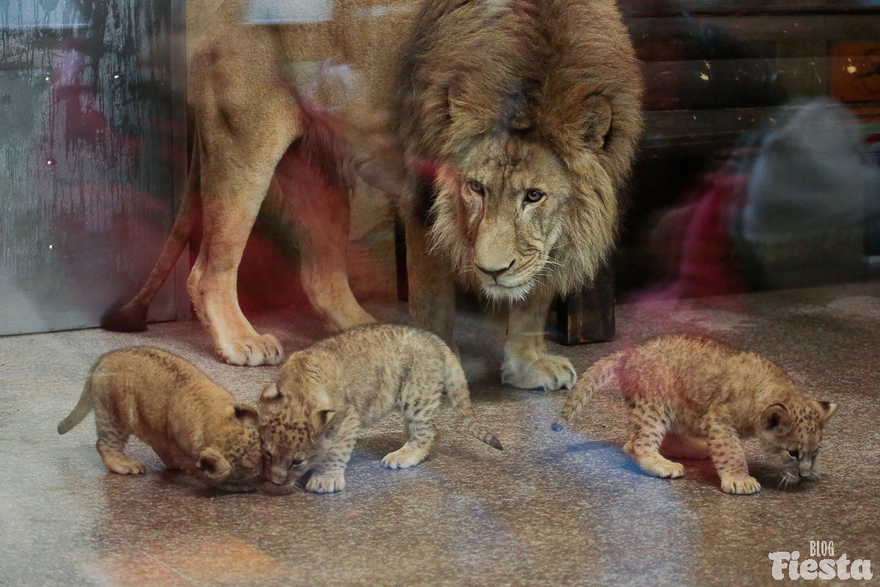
(192, 423)
(310, 417)
(707, 396)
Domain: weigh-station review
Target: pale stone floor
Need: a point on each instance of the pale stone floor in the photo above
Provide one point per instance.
(554, 508)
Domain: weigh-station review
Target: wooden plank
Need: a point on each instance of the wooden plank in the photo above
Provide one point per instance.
(587, 316)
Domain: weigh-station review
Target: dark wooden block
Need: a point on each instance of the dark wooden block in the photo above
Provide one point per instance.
(585, 317)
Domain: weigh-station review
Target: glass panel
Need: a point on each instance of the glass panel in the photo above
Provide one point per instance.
(91, 150)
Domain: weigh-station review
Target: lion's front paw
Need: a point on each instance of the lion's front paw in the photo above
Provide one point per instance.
(403, 458)
(740, 485)
(123, 464)
(326, 482)
(548, 372)
(259, 350)
(662, 468)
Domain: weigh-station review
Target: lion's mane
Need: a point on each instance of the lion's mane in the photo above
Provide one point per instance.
(552, 71)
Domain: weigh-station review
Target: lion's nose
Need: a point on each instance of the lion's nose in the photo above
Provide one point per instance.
(494, 273)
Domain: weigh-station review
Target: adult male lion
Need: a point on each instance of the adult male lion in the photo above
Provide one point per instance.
(258, 146)
(520, 120)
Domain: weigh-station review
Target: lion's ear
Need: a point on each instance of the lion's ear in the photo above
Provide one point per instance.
(321, 419)
(597, 121)
(244, 411)
(213, 464)
(777, 419)
(271, 393)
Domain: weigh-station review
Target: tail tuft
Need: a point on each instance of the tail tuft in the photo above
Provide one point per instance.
(128, 319)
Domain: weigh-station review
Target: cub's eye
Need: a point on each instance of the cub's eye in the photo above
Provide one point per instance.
(476, 187)
(815, 452)
(794, 454)
(533, 196)
(295, 463)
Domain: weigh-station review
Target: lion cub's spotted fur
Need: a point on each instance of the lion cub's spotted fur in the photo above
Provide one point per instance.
(192, 423)
(311, 415)
(708, 396)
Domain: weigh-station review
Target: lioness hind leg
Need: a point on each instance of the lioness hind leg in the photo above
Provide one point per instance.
(527, 365)
(319, 216)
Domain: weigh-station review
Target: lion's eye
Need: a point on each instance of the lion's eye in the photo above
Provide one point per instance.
(295, 463)
(476, 187)
(794, 454)
(533, 196)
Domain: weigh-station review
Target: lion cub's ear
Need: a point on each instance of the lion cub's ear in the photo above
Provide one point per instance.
(597, 122)
(776, 419)
(213, 464)
(272, 393)
(321, 419)
(827, 409)
(244, 411)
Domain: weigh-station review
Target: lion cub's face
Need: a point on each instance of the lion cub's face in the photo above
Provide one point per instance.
(503, 210)
(291, 425)
(792, 435)
(235, 461)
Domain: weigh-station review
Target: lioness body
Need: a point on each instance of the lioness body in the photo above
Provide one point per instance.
(192, 423)
(707, 396)
(260, 146)
(310, 417)
(519, 120)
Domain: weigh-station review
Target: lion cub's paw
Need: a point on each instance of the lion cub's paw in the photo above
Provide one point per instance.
(123, 464)
(326, 483)
(548, 372)
(663, 469)
(260, 350)
(740, 485)
(403, 458)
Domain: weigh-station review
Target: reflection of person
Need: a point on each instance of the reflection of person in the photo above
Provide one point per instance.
(803, 218)
(794, 214)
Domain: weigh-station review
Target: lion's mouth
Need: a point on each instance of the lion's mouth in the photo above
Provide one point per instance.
(501, 291)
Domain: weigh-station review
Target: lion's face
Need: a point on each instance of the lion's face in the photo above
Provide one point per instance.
(512, 217)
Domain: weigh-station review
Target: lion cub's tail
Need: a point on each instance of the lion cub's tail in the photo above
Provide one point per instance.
(80, 411)
(601, 374)
(456, 388)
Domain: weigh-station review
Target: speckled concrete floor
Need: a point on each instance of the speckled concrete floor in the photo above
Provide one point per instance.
(554, 508)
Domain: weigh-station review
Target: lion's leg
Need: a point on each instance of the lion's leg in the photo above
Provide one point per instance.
(236, 172)
(246, 121)
(319, 216)
(230, 209)
(431, 285)
(526, 362)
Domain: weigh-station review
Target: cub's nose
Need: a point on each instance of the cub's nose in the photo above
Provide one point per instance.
(278, 475)
(495, 273)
